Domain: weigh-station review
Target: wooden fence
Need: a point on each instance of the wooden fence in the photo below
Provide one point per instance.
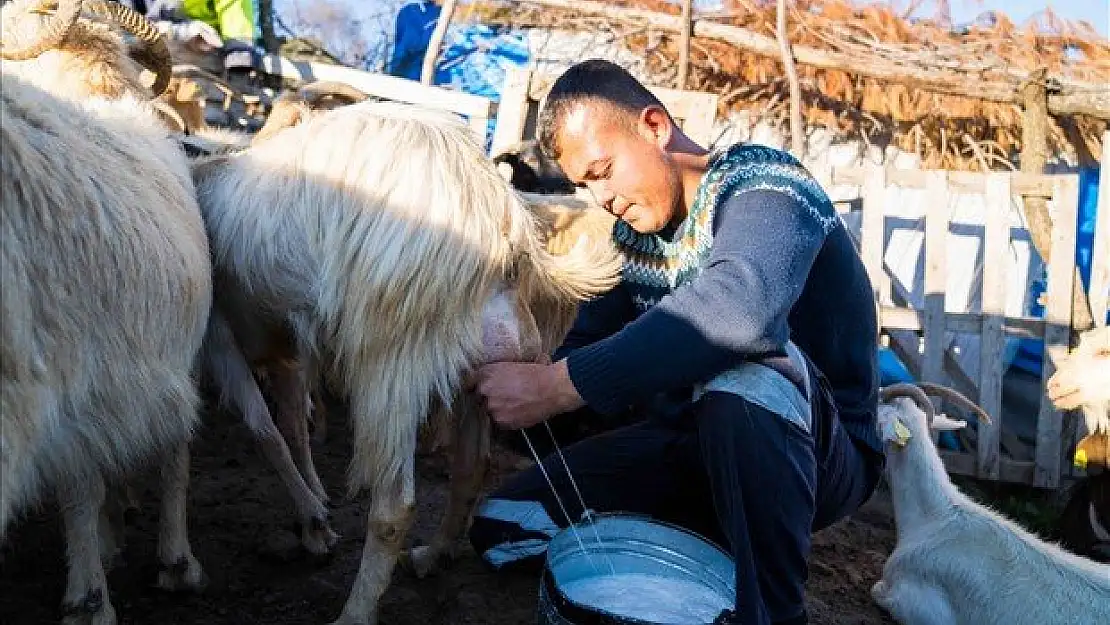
(929, 359)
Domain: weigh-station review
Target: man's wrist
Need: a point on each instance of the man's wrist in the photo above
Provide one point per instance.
(563, 393)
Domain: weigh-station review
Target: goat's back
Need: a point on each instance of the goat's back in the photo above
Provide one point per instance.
(107, 288)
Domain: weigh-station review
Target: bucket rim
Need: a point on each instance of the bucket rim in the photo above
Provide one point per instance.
(595, 517)
(588, 615)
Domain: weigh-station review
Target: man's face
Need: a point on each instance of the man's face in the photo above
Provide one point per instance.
(623, 163)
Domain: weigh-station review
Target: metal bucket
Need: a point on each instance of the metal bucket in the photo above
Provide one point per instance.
(634, 571)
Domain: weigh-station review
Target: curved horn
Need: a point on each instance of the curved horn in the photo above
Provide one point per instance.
(955, 397)
(914, 392)
(154, 55)
(284, 114)
(49, 35)
(171, 115)
(313, 92)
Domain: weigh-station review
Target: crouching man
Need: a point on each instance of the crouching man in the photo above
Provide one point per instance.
(744, 333)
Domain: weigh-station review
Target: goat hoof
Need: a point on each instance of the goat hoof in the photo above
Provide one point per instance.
(183, 575)
(92, 609)
(423, 560)
(318, 538)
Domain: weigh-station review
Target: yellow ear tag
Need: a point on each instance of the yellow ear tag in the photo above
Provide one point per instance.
(897, 433)
(902, 433)
(1080, 459)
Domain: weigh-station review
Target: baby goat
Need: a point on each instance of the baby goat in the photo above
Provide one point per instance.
(956, 561)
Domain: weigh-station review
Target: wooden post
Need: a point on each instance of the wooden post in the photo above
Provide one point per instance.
(512, 110)
(936, 277)
(684, 44)
(797, 132)
(1034, 156)
(873, 233)
(936, 273)
(266, 25)
(992, 341)
(1061, 272)
(1100, 249)
(428, 70)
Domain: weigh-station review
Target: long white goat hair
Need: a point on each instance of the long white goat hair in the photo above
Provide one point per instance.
(380, 230)
(959, 562)
(98, 250)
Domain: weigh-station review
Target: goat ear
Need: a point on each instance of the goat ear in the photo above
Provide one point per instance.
(944, 423)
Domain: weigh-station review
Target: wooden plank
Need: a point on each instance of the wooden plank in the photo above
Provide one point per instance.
(901, 318)
(872, 233)
(936, 273)
(992, 341)
(512, 110)
(1061, 273)
(1099, 293)
(697, 111)
(1037, 185)
(431, 52)
(1012, 471)
(382, 86)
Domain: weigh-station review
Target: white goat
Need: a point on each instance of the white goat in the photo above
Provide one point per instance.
(378, 238)
(106, 289)
(1082, 380)
(958, 562)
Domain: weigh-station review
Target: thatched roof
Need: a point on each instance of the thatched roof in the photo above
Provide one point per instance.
(952, 97)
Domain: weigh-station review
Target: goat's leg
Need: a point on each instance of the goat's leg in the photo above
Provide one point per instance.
(319, 409)
(392, 509)
(121, 504)
(468, 471)
(912, 602)
(291, 397)
(86, 595)
(229, 368)
(317, 536)
(180, 569)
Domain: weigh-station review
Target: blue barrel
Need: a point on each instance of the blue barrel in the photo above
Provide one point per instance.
(625, 569)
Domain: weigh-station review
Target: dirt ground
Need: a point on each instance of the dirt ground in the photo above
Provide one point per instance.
(239, 510)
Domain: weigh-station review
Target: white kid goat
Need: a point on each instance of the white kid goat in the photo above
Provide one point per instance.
(958, 562)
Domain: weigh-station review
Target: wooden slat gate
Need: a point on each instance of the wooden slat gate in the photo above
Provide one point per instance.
(928, 359)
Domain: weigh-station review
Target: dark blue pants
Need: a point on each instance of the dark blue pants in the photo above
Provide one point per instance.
(740, 475)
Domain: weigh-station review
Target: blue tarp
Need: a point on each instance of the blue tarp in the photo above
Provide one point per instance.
(1030, 352)
(473, 59)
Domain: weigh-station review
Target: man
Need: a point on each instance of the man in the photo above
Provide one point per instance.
(232, 20)
(744, 330)
(412, 33)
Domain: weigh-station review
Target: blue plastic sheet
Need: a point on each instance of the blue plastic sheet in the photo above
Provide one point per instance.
(473, 59)
(1030, 352)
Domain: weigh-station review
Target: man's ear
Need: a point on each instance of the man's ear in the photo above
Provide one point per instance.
(655, 124)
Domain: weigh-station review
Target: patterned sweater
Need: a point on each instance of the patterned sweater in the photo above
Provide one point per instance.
(761, 258)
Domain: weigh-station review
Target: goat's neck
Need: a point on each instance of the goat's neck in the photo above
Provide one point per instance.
(919, 484)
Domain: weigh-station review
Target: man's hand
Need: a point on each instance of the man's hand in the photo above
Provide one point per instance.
(520, 394)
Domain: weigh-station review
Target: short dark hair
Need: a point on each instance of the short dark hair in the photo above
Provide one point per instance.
(593, 79)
